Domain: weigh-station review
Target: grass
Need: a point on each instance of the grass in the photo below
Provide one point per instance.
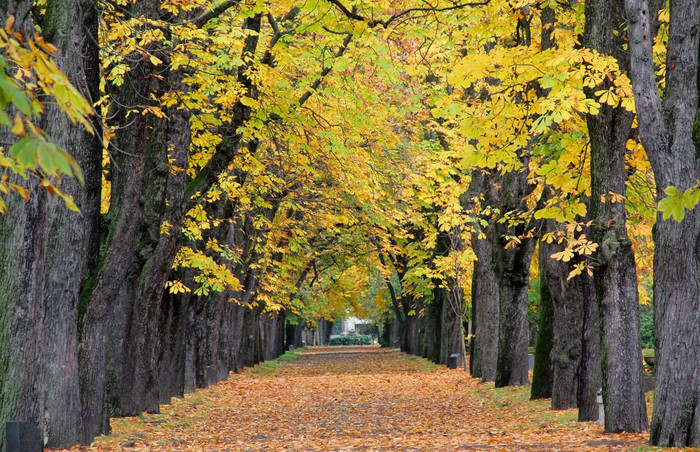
(271, 368)
(422, 364)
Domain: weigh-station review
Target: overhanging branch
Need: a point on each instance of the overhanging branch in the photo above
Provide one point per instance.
(372, 23)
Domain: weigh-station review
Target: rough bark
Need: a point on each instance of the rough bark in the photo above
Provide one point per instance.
(590, 374)
(411, 335)
(542, 372)
(615, 276)
(670, 134)
(484, 345)
(513, 274)
(431, 328)
(113, 289)
(570, 299)
(44, 248)
(172, 353)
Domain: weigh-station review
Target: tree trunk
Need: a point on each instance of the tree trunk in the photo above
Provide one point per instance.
(670, 134)
(615, 276)
(432, 325)
(542, 372)
(45, 248)
(411, 332)
(513, 274)
(171, 359)
(590, 374)
(451, 331)
(485, 309)
(569, 300)
(484, 345)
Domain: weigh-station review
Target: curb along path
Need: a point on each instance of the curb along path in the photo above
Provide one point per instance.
(357, 398)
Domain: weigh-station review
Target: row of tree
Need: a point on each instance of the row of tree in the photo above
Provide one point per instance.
(255, 169)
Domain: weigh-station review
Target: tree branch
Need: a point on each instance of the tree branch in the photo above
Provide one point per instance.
(372, 23)
(325, 71)
(653, 129)
(215, 12)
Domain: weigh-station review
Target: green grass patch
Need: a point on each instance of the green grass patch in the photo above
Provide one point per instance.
(421, 364)
(271, 368)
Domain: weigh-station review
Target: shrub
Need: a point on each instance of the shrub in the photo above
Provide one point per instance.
(646, 317)
(363, 339)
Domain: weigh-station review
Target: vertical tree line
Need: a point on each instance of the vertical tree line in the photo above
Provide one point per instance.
(252, 197)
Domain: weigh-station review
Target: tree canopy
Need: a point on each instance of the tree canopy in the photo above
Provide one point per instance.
(257, 161)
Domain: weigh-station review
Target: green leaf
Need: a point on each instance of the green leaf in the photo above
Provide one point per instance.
(25, 152)
(46, 159)
(4, 118)
(9, 92)
(691, 197)
(672, 205)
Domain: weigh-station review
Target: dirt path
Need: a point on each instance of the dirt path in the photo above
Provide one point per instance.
(361, 399)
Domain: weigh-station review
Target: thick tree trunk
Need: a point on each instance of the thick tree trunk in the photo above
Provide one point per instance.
(669, 133)
(485, 307)
(512, 266)
(451, 331)
(542, 372)
(113, 291)
(171, 360)
(45, 249)
(590, 380)
(570, 299)
(432, 325)
(273, 334)
(410, 342)
(615, 276)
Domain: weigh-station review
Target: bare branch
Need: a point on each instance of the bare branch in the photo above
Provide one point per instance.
(326, 71)
(372, 23)
(215, 12)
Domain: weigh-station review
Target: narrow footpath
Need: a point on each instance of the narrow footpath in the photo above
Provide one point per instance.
(359, 399)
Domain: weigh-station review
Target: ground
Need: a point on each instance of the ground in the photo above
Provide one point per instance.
(359, 399)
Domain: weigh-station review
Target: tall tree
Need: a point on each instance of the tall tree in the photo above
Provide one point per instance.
(615, 277)
(575, 353)
(668, 129)
(45, 248)
(484, 344)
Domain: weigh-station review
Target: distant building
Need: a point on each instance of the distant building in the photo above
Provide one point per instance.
(353, 325)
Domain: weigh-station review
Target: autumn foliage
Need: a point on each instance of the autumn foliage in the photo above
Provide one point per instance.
(357, 398)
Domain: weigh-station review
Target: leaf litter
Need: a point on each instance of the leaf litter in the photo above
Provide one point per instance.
(357, 399)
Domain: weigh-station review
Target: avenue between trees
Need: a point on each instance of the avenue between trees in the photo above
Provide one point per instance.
(189, 188)
(361, 398)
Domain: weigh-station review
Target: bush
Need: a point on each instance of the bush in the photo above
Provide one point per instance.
(362, 339)
(646, 317)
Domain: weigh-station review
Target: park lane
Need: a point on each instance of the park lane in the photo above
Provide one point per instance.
(357, 398)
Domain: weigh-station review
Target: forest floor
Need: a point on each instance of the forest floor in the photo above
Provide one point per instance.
(358, 399)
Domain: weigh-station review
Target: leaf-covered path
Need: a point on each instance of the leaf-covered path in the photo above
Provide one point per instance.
(362, 399)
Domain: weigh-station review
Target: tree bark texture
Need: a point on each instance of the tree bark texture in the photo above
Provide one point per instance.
(670, 134)
(513, 274)
(45, 248)
(570, 299)
(432, 323)
(485, 307)
(451, 331)
(615, 276)
(590, 374)
(542, 373)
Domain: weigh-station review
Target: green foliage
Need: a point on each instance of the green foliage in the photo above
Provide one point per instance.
(646, 319)
(363, 339)
(675, 202)
(29, 78)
